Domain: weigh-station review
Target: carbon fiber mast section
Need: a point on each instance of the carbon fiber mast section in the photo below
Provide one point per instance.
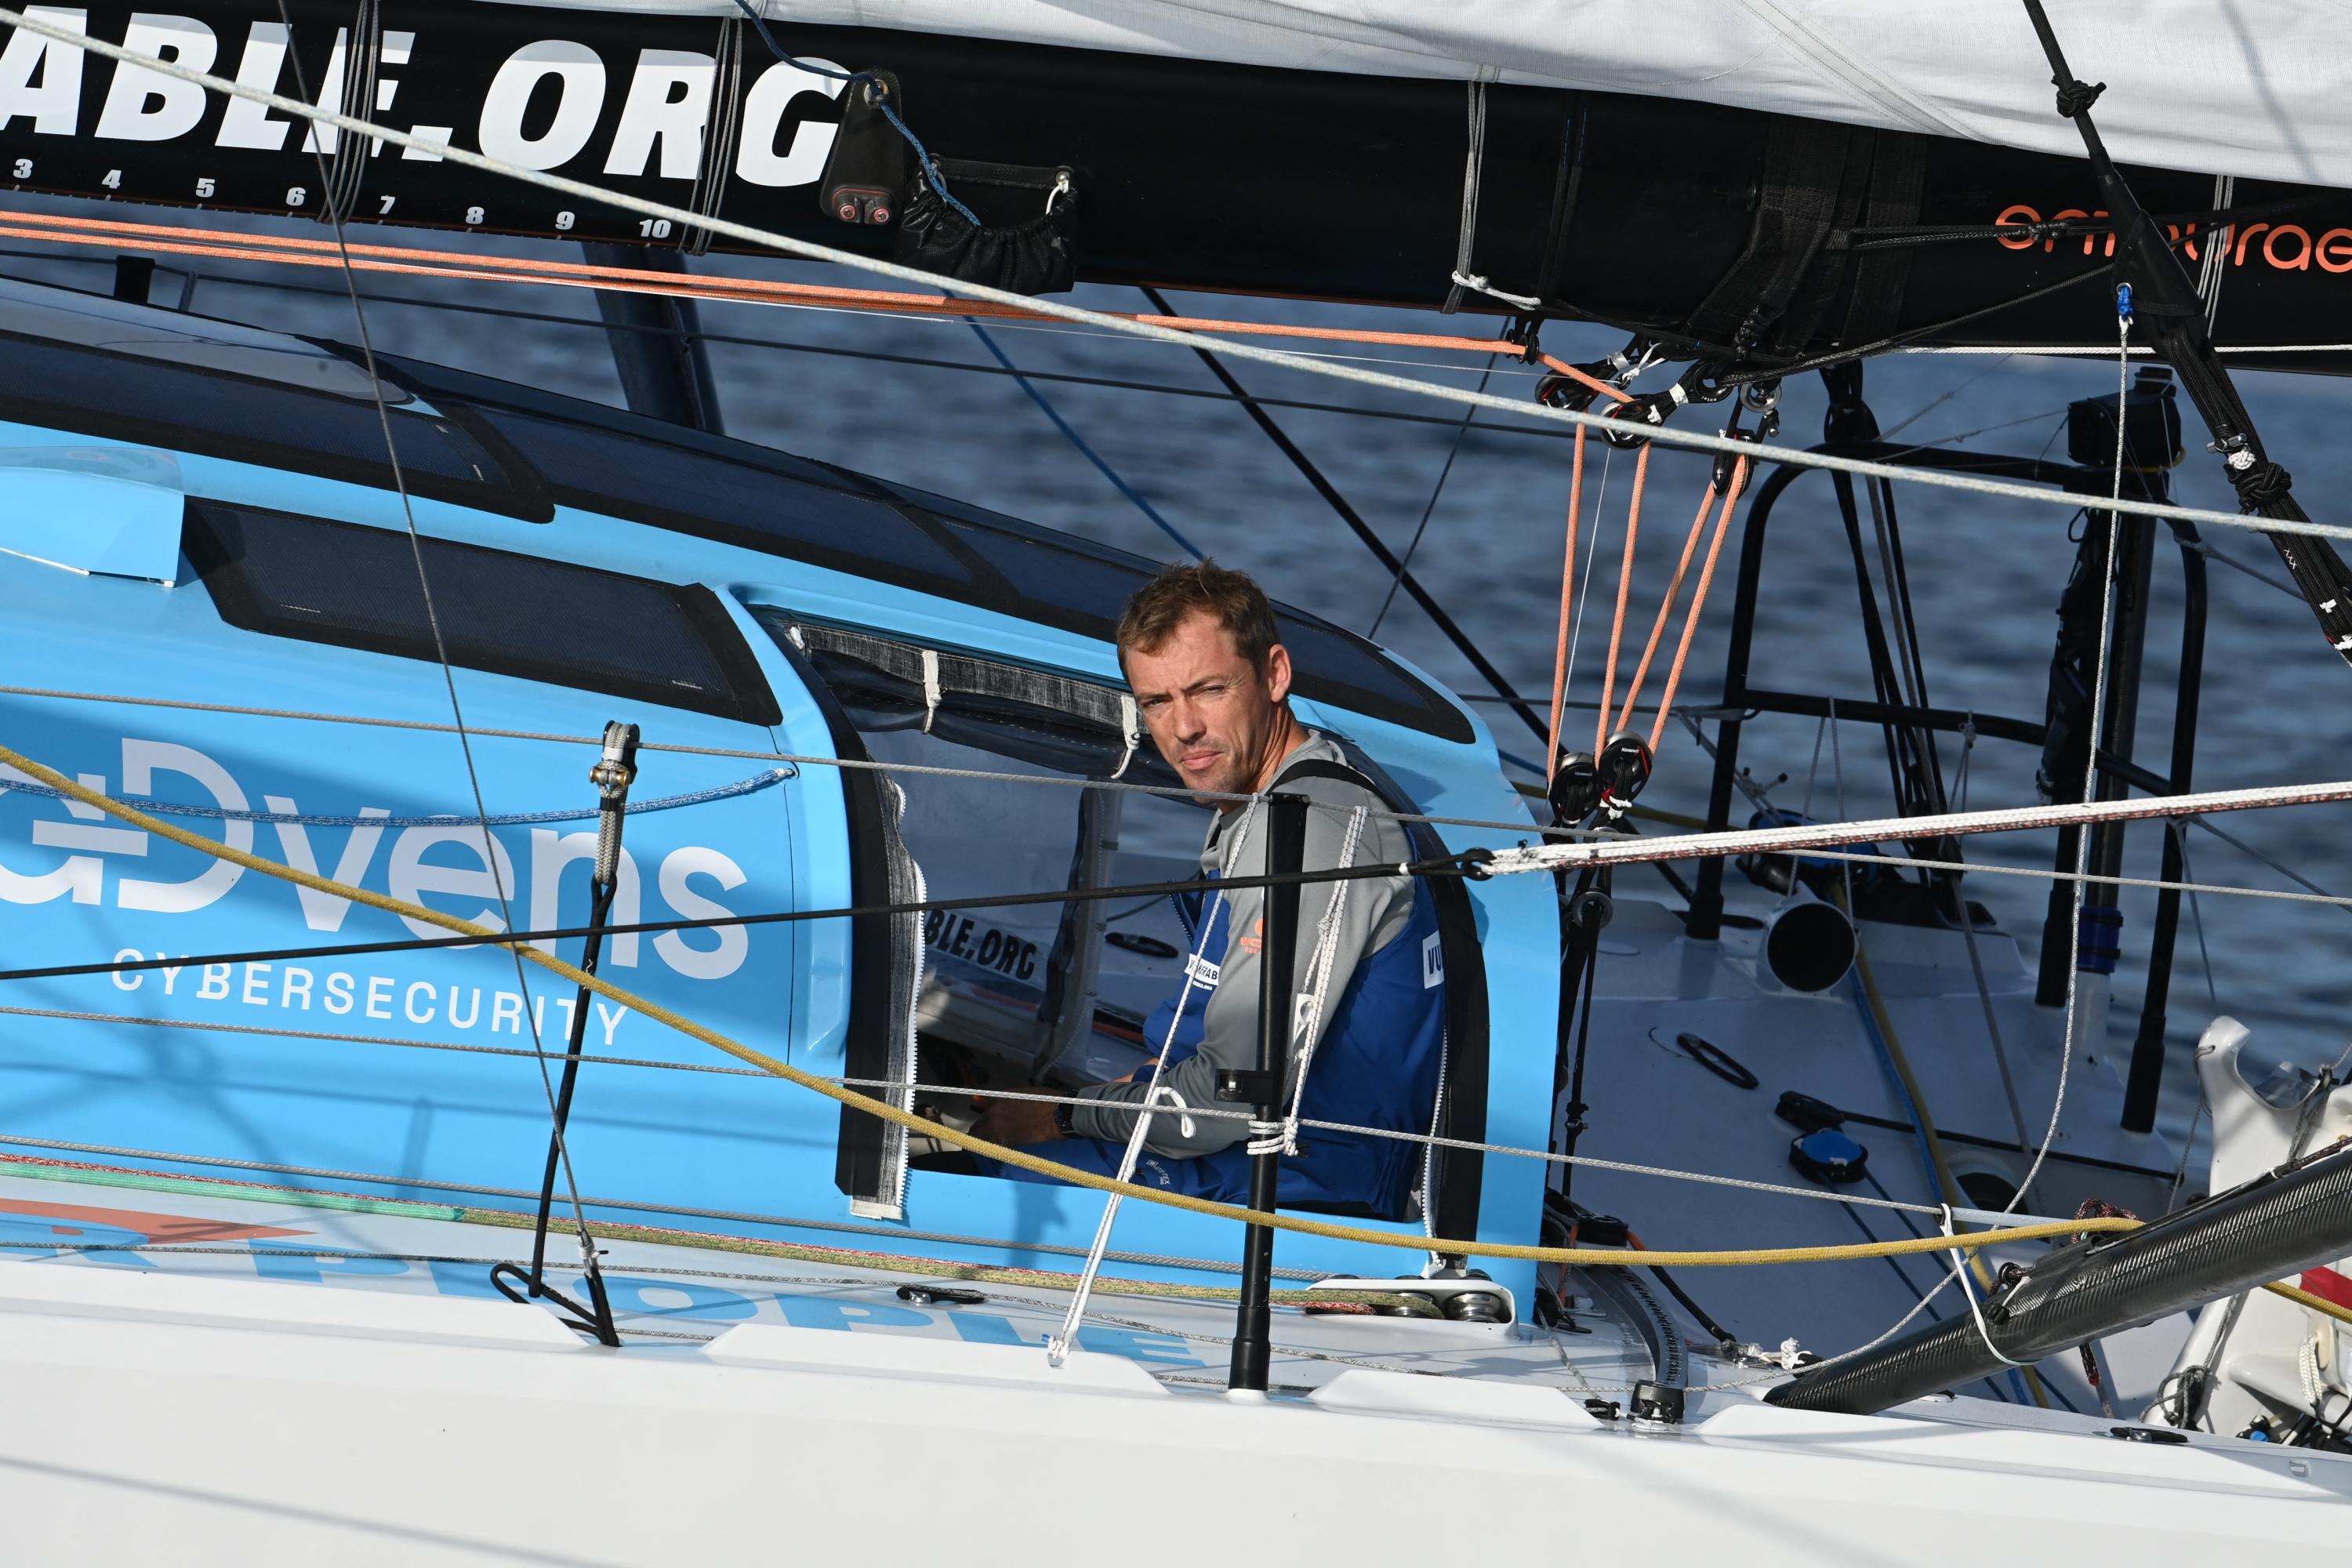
(2163, 297)
(2272, 1228)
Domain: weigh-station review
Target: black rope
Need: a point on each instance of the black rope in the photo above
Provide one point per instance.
(1453, 866)
(920, 362)
(1896, 340)
(1363, 532)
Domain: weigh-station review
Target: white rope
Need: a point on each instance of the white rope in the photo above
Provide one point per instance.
(1687, 847)
(1477, 282)
(1130, 732)
(1974, 1217)
(931, 687)
(1976, 1307)
(2091, 778)
(2213, 264)
(1826, 837)
(1306, 1025)
(1155, 1094)
(2083, 351)
(1696, 440)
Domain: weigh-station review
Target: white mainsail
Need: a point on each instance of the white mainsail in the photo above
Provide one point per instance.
(2258, 89)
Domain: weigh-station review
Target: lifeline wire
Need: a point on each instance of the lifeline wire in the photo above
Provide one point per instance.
(1021, 1159)
(750, 235)
(1058, 1347)
(440, 645)
(1429, 1139)
(1810, 839)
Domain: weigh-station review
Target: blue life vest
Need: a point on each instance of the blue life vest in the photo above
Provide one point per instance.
(1376, 1065)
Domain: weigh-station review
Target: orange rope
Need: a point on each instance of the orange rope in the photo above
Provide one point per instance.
(1666, 609)
(1566, 599)
(228, 245)
(1624, 588)
(1699, 599)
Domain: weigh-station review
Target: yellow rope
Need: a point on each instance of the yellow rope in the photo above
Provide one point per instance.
(1020, 1159)
(2319, 1304)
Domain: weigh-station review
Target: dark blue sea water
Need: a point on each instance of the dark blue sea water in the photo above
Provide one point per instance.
(1985, 576)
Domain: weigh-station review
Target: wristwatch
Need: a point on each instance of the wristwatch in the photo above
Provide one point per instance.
(1062, 1120)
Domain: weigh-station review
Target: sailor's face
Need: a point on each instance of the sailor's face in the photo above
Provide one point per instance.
(1215, 718)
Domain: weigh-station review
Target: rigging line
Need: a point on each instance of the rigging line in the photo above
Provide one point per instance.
(1666, 610)
(886, 1111)
(1211, 1112)
(1903, 425)
(1822, 837)
(1057, 1349)
(2080, 351)
(1699, 603)
(1363, 531)
(2092, 774)
(1693, 439)
(882, 1262)
(2197, 913)
(1567, 601)
(1896, 340)
(921, 362)
(1976, 960)
(1624, 590)
(2243, 848)
(2213, 552)
(722, 287)
(1087, 452)
(787, 758)
(440, 647)
(516, 941)
(1591, 553)
(1412, 547)
(2212, 265)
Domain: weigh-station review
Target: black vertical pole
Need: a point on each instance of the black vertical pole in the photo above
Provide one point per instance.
(612, 775)
(2147, 1047)
(1286, 850)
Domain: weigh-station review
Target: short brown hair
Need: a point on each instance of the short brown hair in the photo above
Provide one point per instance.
(1161, 606)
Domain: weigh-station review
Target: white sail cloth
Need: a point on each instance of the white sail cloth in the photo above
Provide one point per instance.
(2260, 88)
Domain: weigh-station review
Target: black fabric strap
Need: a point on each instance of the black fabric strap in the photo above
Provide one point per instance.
(1796, 208)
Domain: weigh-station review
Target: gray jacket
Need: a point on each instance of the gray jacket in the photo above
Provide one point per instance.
(1376, 912)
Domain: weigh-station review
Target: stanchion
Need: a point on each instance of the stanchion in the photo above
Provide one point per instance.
(612, 775)
(1285, 850)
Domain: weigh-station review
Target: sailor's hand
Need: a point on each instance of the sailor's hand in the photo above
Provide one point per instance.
(1018, 1121)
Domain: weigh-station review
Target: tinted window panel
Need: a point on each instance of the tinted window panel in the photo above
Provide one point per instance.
(507, 614)
(1088, 585)
(231, 417)
(625, 465)
(754, 504)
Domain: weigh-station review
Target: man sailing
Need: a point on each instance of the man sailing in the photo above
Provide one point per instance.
(1198, 646)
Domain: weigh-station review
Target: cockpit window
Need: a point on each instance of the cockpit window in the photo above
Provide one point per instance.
(625, 465)
(522, 615)
(100, 368)
(1012, 993)
(737, 499)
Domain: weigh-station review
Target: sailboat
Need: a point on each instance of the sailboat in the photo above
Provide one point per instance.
(813, 810)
